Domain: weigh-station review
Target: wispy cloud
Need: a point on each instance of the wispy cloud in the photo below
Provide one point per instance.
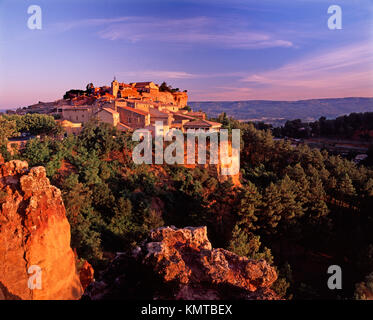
(222, 93)
(342, 72)
(168, 74)
(346, 69)
(336, 66)
(83, 23)
(200, 30)
(196, 30)
(154, 74)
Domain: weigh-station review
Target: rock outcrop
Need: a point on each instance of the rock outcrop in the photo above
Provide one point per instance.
(86, 274)
(36, 260)
(181, 264)
(364, 289)
(179, 99)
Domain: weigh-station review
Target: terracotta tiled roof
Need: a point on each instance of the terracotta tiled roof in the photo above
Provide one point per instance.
(142, 84)
(121, 125)
(108, 110)
(196, 114)
(156, 112)
(108, 95)
(202, 124)
(217, 124)
(125, 85)
(140, 101)
(133, 110)
(67, 107)
(181, 115)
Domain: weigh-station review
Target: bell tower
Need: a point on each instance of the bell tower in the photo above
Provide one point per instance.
(114, 87)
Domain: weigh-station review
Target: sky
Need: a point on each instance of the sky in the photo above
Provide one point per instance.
(217, 50)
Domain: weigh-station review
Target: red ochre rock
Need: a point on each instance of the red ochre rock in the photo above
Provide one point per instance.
(86, 274)
(181, 264)
(34, 231)
(186, 255)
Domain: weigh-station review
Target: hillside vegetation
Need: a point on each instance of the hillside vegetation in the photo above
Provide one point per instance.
(300, 209)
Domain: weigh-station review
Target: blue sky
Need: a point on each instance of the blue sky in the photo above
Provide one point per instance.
(217, 50)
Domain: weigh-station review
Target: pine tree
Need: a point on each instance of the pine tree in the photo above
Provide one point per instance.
(345, 186)
(272, 208)
(248, 245)
(317, 207)
(302, 186)
(292, 208)
(248, 207)
(7, 129)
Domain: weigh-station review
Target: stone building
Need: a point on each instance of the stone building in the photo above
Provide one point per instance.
(202, 124)
(114, 88)
(180, 120)
(131, 107)
(108, 115)
(156, 115)
(199, 115)
(140, 104)
(133, 118)
(149, 87)
(77, 114)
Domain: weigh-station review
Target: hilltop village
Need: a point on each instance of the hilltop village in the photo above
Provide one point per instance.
(125, 106)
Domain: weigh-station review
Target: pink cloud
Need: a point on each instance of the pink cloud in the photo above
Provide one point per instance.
(190, 30)
(341, 72)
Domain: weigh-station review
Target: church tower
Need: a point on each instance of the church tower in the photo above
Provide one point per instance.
(114, 87)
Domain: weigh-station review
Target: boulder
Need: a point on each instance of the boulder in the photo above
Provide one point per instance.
(86, 274)
(181, 264)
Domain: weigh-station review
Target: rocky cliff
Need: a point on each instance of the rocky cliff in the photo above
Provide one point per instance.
(177, 98)
(181, 264)
(215, 170)
(36, 261)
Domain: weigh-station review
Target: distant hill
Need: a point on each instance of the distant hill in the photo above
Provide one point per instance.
(270, 111)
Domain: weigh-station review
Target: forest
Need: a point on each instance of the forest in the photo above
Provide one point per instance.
(354, 125)
(299, 208)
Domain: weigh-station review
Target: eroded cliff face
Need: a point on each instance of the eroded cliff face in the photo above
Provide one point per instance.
(216, 170)
(177, 98)
(34, 231)
(181, 264)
